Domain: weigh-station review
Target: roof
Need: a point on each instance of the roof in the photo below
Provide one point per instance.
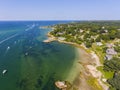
(111, 51)
(108, 57)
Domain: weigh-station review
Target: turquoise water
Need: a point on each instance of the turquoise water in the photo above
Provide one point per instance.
(31, 63)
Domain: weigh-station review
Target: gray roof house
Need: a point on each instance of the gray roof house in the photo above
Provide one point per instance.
(109, 53)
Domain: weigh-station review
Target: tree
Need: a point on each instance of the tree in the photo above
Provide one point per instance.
(115, 82)
(112, 65)
(88, 44)
(98, 39)
(118, 35)
(105, 37)
(117, 48)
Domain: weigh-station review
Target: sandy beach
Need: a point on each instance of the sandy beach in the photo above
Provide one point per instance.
(96, 73)
(90, 61)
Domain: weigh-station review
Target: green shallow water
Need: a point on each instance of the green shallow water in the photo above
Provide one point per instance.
(31, 63)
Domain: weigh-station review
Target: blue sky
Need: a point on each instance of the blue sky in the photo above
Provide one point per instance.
(59, 9)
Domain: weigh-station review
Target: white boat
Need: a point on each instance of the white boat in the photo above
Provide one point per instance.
(4, 71)
(8, 48)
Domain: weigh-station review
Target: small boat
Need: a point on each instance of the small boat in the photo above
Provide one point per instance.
(4, 72)
(8, 48)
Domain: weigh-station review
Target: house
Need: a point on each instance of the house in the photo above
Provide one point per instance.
(117, 40)
(109, 53)
(106, 31)
(60, 33)
(108, 57)
(61, 38)
(99, 43)
(81, 30)
(103, 27)
(118, 29)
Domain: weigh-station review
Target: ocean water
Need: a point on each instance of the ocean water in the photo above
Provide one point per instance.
(32, 64)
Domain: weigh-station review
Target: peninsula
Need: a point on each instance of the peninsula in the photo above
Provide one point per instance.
(100, 40)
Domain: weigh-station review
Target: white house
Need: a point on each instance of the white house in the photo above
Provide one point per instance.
(99, 43)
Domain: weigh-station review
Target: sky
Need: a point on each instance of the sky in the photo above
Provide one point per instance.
(59, 10)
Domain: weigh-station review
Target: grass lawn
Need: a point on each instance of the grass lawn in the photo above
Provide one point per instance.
(106, 74)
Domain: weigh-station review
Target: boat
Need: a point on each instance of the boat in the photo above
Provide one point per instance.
(4, 72)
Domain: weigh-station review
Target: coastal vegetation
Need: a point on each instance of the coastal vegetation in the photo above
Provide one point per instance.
(102, 37)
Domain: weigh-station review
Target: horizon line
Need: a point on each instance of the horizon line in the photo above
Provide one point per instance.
(64, 20)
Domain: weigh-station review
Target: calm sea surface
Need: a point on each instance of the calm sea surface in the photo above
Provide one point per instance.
(32, 64)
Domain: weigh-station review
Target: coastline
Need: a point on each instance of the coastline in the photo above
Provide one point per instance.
(90, 67)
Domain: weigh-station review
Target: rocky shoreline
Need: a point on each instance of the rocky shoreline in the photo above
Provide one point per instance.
(90, 68)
